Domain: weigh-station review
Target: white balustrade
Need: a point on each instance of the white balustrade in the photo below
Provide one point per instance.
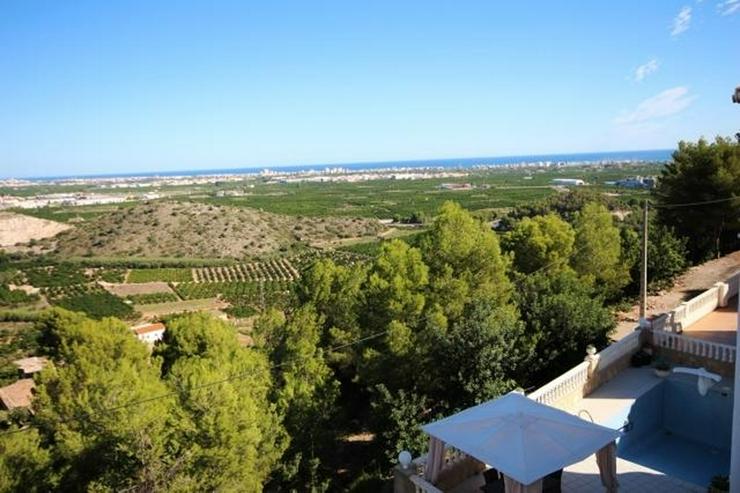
(571, 381)
(697, 347)
(700, 306)
(612, 353)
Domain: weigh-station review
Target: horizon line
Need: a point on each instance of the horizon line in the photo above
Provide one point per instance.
(235, 169)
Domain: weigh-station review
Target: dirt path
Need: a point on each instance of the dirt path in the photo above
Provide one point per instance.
(689, 284)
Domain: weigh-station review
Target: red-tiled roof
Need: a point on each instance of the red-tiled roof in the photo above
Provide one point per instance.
(146, 329)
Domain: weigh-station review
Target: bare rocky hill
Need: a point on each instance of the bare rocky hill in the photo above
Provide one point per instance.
(180, 229)
(17, 228)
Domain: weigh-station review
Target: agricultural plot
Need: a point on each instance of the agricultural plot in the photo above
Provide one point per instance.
(173, 274)
(244, 298)
(272, 270)
(159, 310)
(90, 299)
(151, 298)
(341, 257)
(15, 297)
(110, 275)
(54, 276)
(126, 290)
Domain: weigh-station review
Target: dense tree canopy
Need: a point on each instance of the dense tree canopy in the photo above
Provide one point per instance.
(703, 172)
(465, 261)
(598, 254)
(230, 435)
(562, 316)
(110, 419)
(305, 394)
(540, 241)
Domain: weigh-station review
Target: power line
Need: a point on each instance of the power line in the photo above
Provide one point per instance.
(691, 204)
(247, 374)
(237, 376)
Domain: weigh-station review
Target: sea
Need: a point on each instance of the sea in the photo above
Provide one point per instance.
(655, 155)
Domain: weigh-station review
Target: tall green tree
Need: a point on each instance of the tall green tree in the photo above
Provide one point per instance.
(337, 294)
(24, 463)
(598, 253)
(227, 434)
(563, 314)
(396, 286)
(478, 357)
(305, 393)
(83, 408)
(540, 241)
(703, 172)
(465, 261)
(667, 254)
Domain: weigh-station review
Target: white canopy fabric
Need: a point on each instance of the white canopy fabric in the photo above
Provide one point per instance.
(520, 437)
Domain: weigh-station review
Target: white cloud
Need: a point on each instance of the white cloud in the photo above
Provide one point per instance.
(667, 103)
(681, 22)
(729, 7)
(646, 69)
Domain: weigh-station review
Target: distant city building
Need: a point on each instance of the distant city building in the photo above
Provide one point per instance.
(149, 333)
(636, 182)
(456, 186)
(567, 182)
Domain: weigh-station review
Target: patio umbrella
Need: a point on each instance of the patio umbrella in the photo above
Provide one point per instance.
(520, 437)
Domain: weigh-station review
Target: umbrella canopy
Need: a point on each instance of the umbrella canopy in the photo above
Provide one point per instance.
(520, 437)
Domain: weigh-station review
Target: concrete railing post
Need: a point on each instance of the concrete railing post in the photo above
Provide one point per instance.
(723, 289)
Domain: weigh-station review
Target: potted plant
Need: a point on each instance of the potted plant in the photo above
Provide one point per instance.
(719, 484)
(662, 368)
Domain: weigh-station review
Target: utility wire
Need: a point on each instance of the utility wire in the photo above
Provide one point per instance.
(237, 376)
(691, 204)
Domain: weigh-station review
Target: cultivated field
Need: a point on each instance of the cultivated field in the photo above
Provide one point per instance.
(125, 290)
(272, 270)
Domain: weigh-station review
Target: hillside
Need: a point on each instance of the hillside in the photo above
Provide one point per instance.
(178, 229)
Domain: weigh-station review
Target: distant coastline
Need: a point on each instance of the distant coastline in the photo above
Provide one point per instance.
(655, 155)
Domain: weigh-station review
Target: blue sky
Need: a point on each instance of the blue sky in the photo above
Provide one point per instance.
(104, 87)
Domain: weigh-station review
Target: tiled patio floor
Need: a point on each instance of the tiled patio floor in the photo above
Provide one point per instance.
(719, 326)
(617, 394)
(583, 477)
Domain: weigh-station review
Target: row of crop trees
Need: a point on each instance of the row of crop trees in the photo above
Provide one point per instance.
(272, 270)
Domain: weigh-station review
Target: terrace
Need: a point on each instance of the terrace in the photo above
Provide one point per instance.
(673, 438)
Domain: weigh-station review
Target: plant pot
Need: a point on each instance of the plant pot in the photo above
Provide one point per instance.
(661, 373)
